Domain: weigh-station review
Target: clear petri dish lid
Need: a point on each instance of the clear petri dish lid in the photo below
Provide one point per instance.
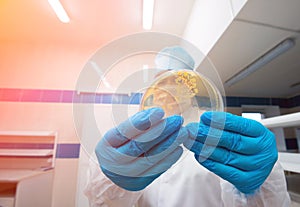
(182, 92)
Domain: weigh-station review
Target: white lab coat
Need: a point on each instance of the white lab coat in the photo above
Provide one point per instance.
(189, 184)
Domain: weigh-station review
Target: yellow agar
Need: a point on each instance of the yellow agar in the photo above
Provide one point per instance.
(180, 92)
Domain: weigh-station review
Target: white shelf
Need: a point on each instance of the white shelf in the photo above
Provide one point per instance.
(290, 161)
(33, 158)
(288, 120)
(11, 175)
(26, 152)
(27, 173)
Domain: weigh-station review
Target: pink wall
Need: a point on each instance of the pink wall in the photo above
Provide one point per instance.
(43, 66)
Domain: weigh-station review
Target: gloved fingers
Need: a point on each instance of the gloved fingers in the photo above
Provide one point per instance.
(227, 157)
(113, 138)
(156, 134)
(134, 126)
(234, 123)
(165, 127)
(246, 182)
(226, 172)
(135, 180)
(167, 145)
(128, 182)
(163, 155)
(217, 137)
(120, 163)
(142, 167)
(164, 164)
(110, 157)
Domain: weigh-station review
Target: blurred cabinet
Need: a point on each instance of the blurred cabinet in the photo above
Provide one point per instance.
(289, 161)
(26, 168)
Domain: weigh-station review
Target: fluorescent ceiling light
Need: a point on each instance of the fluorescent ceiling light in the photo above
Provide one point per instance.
(261, 61)
(148, 8)
(59, 10)
(295, 85)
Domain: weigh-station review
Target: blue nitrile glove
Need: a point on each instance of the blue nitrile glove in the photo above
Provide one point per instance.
(240, 150)
(141, 148)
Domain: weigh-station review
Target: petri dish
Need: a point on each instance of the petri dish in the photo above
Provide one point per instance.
(182, 92)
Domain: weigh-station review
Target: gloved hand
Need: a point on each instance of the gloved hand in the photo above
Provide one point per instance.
(240, 150)
(141, 148)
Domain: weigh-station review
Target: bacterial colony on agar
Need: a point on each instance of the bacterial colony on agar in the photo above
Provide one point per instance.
(182, 92)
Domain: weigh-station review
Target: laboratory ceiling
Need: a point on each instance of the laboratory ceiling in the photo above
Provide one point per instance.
(93, 22)
(258, 27)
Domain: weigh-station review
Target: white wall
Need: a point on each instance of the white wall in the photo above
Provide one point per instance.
(209, 20)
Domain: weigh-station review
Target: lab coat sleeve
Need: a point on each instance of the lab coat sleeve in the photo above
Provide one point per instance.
(101, 192)
(272, 193)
